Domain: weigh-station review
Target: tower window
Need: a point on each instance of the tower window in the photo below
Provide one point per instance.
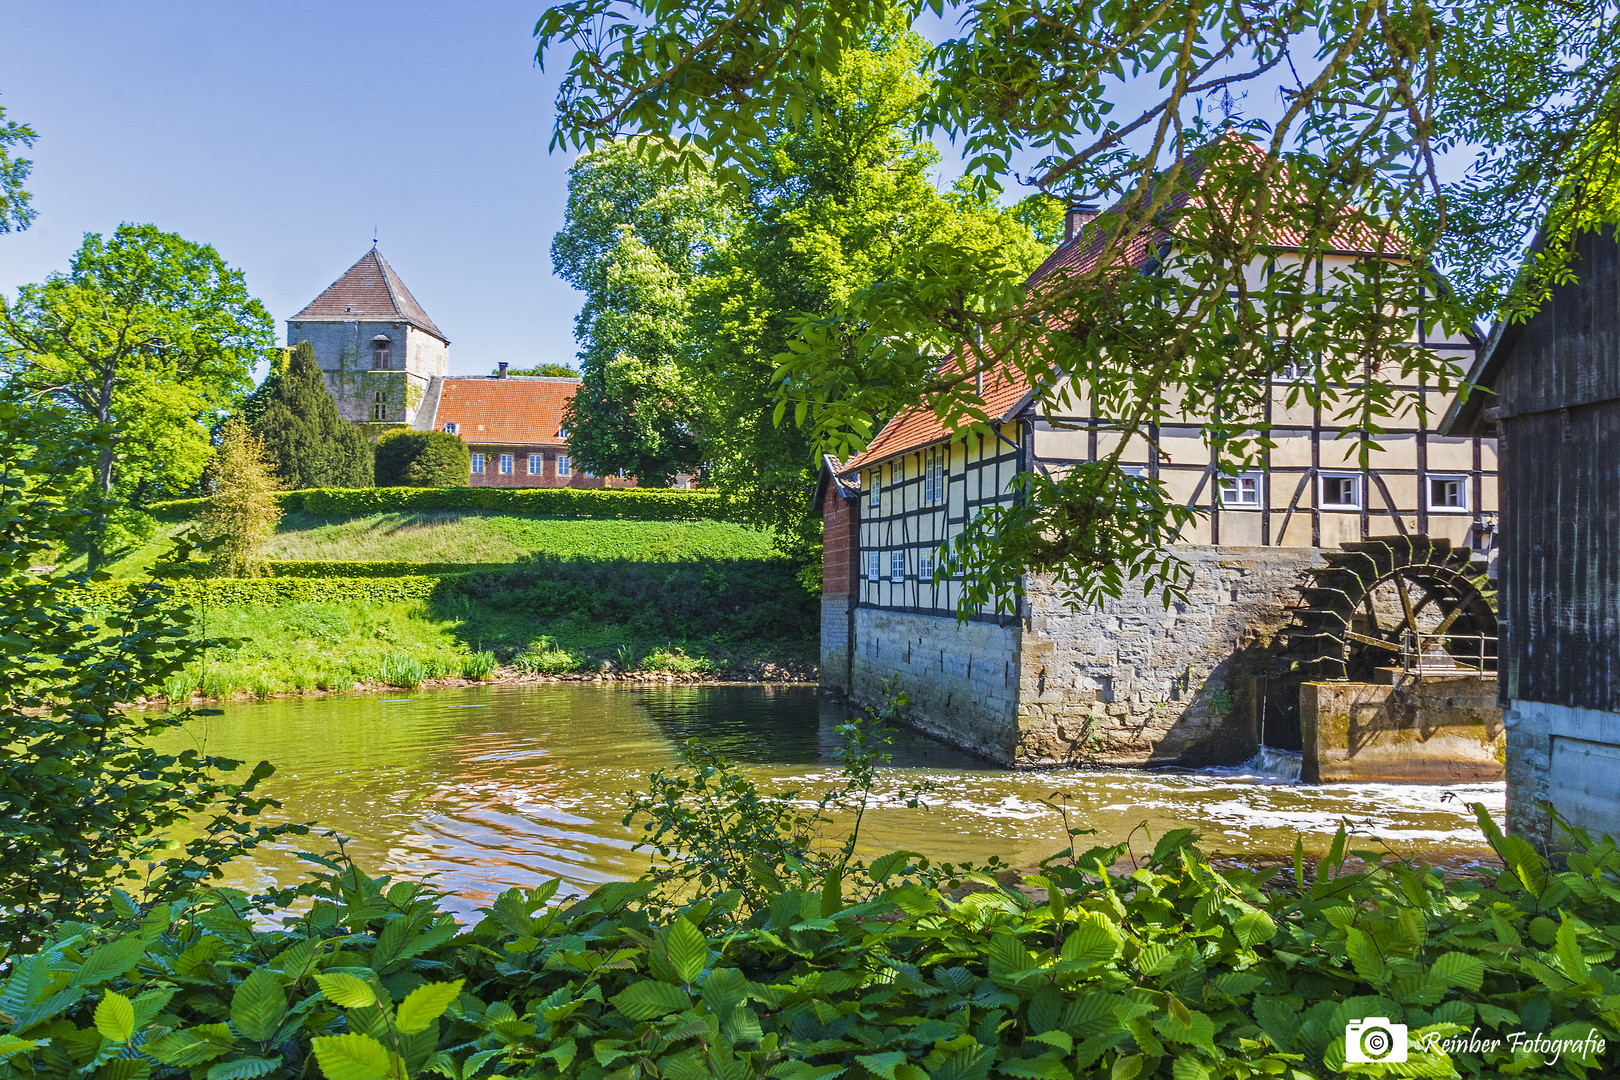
(450, 428)
(382, 352)
(379, 407)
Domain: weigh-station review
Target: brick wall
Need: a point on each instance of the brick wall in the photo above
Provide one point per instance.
(839, 540)
(520, 476)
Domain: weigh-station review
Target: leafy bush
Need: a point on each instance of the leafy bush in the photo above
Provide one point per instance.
(635, 503)
(673, 658)
(402, 671)
(334, 568)
(548, 659)
(421, 459)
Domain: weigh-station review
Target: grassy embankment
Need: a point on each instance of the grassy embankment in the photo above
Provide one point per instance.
(496, 594)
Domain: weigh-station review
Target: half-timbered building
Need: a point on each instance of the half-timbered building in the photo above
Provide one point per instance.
(1136, 682)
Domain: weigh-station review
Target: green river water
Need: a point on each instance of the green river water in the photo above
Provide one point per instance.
(498, 786)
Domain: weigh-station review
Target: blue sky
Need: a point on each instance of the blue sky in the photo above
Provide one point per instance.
(282, 133)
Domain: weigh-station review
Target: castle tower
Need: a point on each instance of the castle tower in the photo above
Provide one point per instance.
(376, 346)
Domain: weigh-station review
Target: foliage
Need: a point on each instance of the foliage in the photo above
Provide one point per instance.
(402, 671)
(15, 212)
(1199, 284)
(140, 343)
(85, 801)
(633, 243)
(630, 503)
(242, 510)
(421, 459)
(1175, 969)
(547, 371)
(546, 657)
(297, 419)
(478, 666)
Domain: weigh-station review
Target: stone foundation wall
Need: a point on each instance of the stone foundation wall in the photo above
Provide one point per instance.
(1565, 757)
(1433, 730)
(1137, 683)
(833, 672)
(962, 678)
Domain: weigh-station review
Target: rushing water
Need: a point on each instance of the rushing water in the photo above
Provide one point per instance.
(500, 786)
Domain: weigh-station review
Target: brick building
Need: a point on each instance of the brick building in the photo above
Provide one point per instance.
(513, 425)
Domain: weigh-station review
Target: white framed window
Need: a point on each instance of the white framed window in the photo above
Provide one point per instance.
(871, 566)
(897, 471)
(925, 566)
(897, 566)
(876, 497)
(1340, 491)
(506, 464)
(564, 466)
(1242, 490)
(562, 433)
(478, 464)
(537, 464)
(1448, 493)
(934, 477)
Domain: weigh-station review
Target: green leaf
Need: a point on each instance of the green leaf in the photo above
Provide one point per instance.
(688, 950)
(1093, 940)
(884, 865)
(1460, 969)
(353, 1057)
(1255, 928)
(258, 1005)
(191, 1047)
(651, 999)
(882, 1064)
(347, 991)
(244, 1068)
(1186, 1068)
(1364, 957)
(832, 893)
(115, 1017)
(109, 961)
(1126, 1066)
(424, 1005)
(1569, 952)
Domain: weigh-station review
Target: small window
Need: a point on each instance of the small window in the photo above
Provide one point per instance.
(506, 464)
(1241, 490)
(925, 566)
(382, 353)
(451, 428)
(478, 464)
(934, 477)
(564, 466)
(537, 464)
(621, 474)
(379, 412)
(1343, 492)
(562, 433)
(897, 566)
(872, 566)
(897, 471)
(1448, 493)
(876, 498)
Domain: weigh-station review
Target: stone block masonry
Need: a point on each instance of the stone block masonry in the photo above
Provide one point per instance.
(1429, 730)
(962, 678)
(1139, 683)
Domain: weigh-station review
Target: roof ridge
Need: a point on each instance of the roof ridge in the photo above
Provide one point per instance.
(387, 273)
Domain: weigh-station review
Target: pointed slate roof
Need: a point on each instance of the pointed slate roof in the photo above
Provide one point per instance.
(369, 291)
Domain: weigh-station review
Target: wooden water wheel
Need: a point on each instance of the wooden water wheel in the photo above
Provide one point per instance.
(1395, 601)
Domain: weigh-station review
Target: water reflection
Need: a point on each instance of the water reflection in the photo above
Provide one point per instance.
(492, 787)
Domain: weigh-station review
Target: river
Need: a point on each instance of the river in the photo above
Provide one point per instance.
(491, 787)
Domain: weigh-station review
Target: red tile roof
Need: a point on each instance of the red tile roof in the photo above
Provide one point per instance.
(521, 410)
(369, 291)
(1006, 388)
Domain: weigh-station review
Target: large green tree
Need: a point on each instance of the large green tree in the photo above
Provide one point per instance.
(296, 419)
(142, 342)
(1357, 109)
(15, 212)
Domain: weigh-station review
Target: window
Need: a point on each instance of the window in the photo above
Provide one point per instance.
(1240, 490)
(934, 477)
(876, 498)
(897, 471)
(382, 351)
(450, 428)
(506, 464)
(1448, 493)
(925, 566)
(872, 566)
(537, 464)
(621, 474)
(897, 566)
(379, 410)
(1341, 491)
(564, 466)
(478, 464)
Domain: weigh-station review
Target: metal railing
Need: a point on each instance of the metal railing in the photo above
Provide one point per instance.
(1431, 654)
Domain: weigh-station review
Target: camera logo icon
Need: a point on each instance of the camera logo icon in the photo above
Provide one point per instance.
(1374, 1039)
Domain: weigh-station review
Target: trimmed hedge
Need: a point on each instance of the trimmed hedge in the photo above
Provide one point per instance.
(640, 504)
(337, 568)
(228, 592)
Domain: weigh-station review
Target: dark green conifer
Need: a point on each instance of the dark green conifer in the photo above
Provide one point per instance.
(297, 421)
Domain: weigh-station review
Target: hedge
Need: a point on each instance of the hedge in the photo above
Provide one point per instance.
(642, 504)
(227, 592)
(337, 568)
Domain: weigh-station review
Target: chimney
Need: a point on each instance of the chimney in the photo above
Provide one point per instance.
(501, 374)
(1078, 216)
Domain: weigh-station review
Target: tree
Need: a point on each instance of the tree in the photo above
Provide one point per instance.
(553, 371)
(15, 212)
(142, 342)
(1136, 106)
(242, 511)
(634, 242)
(297, 420)
(422, 459)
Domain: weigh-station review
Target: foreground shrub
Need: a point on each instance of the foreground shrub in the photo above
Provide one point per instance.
(421, 459)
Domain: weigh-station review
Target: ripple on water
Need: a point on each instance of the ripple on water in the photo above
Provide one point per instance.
(531, 783)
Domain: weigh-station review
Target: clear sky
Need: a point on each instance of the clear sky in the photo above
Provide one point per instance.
(283, 133)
